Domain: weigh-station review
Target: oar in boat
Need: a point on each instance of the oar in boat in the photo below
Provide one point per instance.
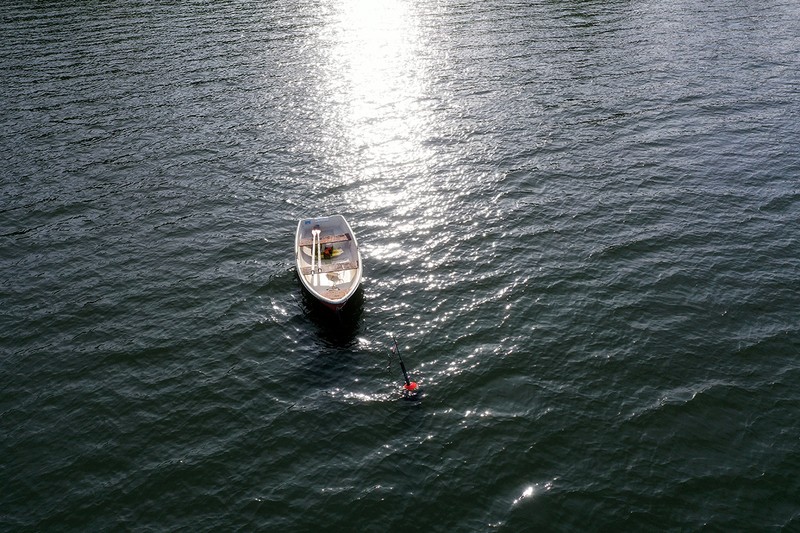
(314, 245)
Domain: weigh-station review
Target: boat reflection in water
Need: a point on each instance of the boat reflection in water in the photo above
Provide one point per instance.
(337, 328)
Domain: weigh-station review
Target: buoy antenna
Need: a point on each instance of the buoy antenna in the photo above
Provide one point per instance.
(410, 386)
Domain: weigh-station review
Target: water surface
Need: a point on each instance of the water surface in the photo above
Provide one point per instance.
(580, 220)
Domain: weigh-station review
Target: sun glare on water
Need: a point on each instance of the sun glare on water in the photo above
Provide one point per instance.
(376, 84)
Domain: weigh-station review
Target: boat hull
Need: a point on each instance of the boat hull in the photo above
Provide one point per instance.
(328, 259)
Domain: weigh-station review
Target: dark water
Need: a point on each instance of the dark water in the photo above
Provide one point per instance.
(580, 218)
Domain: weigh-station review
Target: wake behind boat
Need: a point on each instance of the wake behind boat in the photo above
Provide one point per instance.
(328, 259)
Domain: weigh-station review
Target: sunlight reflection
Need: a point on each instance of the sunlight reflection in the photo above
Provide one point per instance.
(532, 490)
(376, 83)
(527, 493)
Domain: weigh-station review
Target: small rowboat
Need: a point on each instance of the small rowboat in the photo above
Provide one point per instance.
(328, 260)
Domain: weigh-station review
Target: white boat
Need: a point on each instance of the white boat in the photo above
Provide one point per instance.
(328, 259)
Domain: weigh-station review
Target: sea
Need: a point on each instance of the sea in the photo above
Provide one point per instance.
(579, 219)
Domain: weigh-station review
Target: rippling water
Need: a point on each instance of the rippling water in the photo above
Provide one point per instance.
(580, 219)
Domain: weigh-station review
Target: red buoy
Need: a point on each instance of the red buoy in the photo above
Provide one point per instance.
(410, 386)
